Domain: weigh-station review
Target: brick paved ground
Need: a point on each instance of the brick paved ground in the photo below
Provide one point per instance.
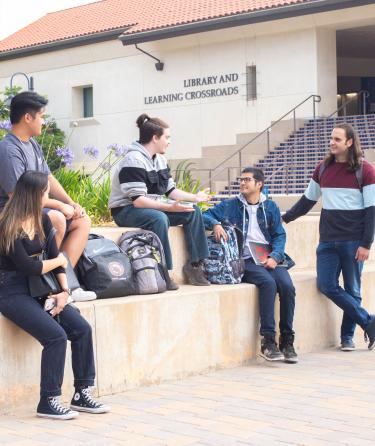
(327, 399)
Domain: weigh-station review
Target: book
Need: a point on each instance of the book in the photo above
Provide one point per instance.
(259, 252)
(164, 199)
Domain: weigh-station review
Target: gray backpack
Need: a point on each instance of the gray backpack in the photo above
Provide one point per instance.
(146, 255)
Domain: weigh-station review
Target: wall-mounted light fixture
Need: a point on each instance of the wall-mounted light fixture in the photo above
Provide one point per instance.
(159, 64)
(30, 84)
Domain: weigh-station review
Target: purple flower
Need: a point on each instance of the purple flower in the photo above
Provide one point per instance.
(106, 166)
(66, 155)
(5, 125)
(117, 149)
(91, 151)
(48, 121)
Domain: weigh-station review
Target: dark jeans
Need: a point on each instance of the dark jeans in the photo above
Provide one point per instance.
(18, 306)
(270, 282)
(159, 222)
(332, 259)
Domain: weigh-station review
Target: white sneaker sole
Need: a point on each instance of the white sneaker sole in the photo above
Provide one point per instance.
(271, 359)
(69, 416)
(102, 409)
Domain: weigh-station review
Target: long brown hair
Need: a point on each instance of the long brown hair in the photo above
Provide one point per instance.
(355, 154)
(25, 204)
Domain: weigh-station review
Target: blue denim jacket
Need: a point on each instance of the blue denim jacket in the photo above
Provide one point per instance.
(269, 220)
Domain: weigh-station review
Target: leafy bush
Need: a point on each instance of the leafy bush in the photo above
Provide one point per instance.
(184, 181)
(90, 194)
(51, 138)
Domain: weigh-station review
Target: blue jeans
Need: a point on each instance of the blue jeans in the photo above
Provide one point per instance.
(332, 259)
(159, 222)
(18, 306)
(270, 282)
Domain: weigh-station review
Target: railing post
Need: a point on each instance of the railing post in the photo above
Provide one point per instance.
(268, 140)
(294, 121)
(314, 110)
(364, 97)
(240, 159)
(210, 179)
(228, 170)
(287, 179)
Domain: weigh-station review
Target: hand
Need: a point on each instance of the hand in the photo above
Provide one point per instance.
(67, 210)
(61, 300)
(79, 211)
(64, 260)
(177, 207)
(202, 196)
(219, 233)
(270, 263)
(362, 254)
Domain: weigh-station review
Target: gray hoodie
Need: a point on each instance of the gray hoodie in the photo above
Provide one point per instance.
(139, 174)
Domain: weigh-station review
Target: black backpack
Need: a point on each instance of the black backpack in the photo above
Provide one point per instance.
(147, 258)
(105, 269)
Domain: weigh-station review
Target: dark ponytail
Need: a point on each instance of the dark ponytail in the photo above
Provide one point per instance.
(148, 127)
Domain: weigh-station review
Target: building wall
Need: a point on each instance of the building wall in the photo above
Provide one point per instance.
(294, 59)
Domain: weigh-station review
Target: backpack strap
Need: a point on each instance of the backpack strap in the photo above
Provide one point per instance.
(358, 173)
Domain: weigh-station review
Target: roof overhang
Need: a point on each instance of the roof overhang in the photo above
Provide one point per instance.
(63, 44)
(277, 13)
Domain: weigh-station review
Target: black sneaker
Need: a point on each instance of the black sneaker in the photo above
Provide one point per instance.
(50, 407)
(287, 348)
(195, 275)
(84, 402)
(347, 346)
(370, 334)
(269, 349)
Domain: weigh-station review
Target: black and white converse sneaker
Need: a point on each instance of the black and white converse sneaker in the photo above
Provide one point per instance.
(84, 402)
(287, 348)
(50, 407)
(269, 349)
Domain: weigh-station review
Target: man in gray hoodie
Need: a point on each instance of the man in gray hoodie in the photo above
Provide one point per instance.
(139, 182)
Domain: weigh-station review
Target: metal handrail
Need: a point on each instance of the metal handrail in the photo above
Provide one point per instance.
(365, 94)
(316, 98)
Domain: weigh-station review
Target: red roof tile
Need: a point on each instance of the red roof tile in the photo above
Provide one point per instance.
(138, 16)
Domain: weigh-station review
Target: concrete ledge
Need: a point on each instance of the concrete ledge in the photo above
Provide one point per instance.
(141, 340)
(148, 339)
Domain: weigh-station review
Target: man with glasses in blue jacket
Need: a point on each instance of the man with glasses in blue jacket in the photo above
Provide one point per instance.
(260, 221)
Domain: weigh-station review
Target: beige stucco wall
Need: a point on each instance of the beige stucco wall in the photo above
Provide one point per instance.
(294, 58)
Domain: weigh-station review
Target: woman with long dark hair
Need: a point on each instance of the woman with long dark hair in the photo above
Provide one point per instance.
(24, 229)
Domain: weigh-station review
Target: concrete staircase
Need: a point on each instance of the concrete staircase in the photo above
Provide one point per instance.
(289, 166)
(212, 156)
(139, 340)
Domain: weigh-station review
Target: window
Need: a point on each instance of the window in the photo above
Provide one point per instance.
(88, 103)
(82, 102)
(251, 82)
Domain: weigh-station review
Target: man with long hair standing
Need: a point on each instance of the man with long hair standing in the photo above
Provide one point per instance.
(346, 183)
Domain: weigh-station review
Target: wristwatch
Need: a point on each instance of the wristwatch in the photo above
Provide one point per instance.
(68, 290)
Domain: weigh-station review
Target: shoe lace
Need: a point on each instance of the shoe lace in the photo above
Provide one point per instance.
(88, 397)
(55, 403)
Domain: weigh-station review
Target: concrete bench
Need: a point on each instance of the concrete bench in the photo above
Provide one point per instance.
(141, 340)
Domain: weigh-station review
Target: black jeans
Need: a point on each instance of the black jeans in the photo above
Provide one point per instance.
(18, 306)
(159, 222)
(270, 282)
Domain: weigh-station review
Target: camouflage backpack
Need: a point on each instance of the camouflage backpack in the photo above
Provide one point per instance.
(225, 264)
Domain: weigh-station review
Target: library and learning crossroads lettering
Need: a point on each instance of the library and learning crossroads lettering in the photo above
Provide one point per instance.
(199, 94)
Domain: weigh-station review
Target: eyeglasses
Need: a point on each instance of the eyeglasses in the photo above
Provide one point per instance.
(246, 179)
